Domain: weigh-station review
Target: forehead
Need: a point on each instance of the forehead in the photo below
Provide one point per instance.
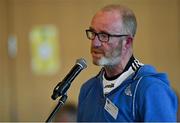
(107, 21)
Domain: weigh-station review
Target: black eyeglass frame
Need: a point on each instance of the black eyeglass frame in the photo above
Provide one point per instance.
(97, 34)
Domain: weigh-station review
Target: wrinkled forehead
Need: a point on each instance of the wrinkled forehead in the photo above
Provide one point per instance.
(107, 20)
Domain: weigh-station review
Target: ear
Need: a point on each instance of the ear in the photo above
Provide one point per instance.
(129, 42)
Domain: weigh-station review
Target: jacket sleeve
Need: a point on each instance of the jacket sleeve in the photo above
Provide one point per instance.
(157, 103)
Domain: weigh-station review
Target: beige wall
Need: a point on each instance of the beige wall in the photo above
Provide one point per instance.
(26, 96)
(4, 74)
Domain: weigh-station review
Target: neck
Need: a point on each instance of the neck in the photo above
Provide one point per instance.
(118, 68)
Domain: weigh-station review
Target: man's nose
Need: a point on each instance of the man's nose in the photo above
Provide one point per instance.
(96, 42)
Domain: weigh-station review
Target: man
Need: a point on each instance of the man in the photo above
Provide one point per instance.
(125, 89)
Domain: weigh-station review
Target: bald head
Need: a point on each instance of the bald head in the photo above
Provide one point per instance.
(126, 18)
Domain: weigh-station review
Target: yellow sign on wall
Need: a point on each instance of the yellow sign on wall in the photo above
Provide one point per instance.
(44, 49)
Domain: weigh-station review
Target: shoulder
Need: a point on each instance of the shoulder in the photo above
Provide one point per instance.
(148, 78)
(91, 82)
(154, 87)
(89, 85)
(149, 81)
(156, 100)
(156, 92)
(153, 82)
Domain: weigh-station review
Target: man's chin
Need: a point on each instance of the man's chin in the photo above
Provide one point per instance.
(96, 63)
(100, 62)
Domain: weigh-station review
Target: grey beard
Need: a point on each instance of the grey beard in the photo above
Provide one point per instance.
(109, 61)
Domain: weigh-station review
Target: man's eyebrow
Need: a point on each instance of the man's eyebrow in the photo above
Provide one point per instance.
(91, 29)
(99, 32)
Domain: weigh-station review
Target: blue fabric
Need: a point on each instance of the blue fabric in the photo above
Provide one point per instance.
(154, 99)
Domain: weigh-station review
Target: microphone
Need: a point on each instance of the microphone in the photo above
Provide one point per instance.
(62, 87)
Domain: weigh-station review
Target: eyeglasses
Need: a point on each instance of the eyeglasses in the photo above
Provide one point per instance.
(103, 37)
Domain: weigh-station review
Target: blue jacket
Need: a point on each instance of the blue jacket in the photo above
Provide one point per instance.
(144, 96)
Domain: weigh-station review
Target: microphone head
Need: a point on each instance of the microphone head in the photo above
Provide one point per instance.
(81, 62)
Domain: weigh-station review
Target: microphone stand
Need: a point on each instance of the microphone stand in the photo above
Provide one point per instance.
(61, 102)
(62, 87)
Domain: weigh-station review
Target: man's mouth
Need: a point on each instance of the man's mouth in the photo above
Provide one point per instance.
(96, 53)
